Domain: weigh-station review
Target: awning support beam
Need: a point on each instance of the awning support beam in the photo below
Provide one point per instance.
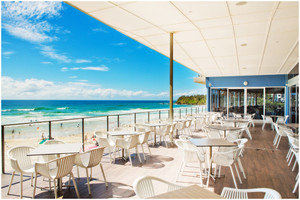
(171, 77)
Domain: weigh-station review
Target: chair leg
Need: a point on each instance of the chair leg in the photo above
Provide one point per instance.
(290, 161)
(241, 167)
(49, 184)
(11, 180)
(32, 180)
(88, 181)
(103, 175)
(128, 152)
(91, 174)
(233, 177)
(77, 193)
(55, 192)
(109, 154)
(78, 172)
(34, 188)
(220, 167)
(21, 182)
(278, 142)
(179, 172)
(237, 171)
(263, 126)
(294, 165)
(201, 179)
(149, 149)
(137, 152)
(296, 185)
(143, 152)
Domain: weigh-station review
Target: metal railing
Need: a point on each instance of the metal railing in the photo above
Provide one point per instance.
(181, 111)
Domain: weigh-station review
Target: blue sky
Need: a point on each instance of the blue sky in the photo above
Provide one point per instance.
(51, 50)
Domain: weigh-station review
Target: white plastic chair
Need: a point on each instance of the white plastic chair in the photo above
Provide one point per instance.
(51, 157)
(143, 139)
(267, 120)
(21, 163)
(90, 159)
(144, 187)
(164, 131)
(280, 132)
(127, 144)
(212, 133)
(191, 154)
(233, 135)
(104, 141)
(282, 120)
(187, 127)
(184, 138)
(293, 143)
(227, 159)
(232, 193)
(56, 169)
(244, 126)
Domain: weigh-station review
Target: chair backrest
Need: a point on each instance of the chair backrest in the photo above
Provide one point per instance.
(212, 133)
(92, 157)
(64, 165)
(286, 118)
(233, 135)
(189, 152)
(226, 157)
(49, 142)
(165, 129)
(184, 138)
(145, 137)
(133, 141)
(102, 138)
(233, 193)
(19, 159)
(242, 124)
(144, 187)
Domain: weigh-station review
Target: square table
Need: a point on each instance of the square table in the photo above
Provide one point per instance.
(56, 149)
(234, 121)
(190, 192)
(223, 128)
(154, 125)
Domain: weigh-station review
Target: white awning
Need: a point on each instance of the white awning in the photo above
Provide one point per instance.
(211, 38)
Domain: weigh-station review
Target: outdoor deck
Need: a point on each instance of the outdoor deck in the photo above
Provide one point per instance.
(264, 165)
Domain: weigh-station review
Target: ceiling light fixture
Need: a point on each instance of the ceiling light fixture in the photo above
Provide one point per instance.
(241, 3)
(244, 44)
(245, 83)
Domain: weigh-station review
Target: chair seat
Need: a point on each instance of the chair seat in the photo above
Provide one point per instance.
(29, 170)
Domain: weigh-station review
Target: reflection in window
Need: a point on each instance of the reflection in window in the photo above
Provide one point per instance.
(275, 101)
(236, 100)
(219, 100)
(255, 102)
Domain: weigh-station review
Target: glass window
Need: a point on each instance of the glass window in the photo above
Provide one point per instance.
(275, 101)
(219, 100)
(294, 102)
(236, 100)
(255, 102)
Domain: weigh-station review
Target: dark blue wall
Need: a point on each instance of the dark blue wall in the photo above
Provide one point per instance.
(253, 81)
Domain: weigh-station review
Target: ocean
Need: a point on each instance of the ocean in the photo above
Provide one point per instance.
(18, 111)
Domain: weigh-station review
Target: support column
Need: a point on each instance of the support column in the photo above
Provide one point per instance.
(171, 77)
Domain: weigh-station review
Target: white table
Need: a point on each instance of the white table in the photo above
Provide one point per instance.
(190, 192)
(56, 149)
(154, 125)
(223, 128)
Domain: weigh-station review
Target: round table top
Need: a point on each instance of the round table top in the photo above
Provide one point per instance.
(223, 128)
(235, 120)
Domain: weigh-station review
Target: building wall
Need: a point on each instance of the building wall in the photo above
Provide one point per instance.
(253, 81)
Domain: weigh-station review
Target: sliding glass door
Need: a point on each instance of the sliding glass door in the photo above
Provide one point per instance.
(219, 100)
(236, 101)
(294, 102)
(255, 102)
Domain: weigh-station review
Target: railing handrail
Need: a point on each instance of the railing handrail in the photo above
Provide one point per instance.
(90, 117)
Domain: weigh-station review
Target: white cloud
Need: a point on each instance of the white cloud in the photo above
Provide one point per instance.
(46, 62)
(99, 30)
(8, 53)
(50, 52)
(42, 89)
(27, 20)
(82, 61)
(119, 44)
(101, 68)
(72, 76)
(64, 69)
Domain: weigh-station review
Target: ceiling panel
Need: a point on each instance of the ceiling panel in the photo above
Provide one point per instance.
(164, 14)
(211, 38)
(223, 47)
(196, 11)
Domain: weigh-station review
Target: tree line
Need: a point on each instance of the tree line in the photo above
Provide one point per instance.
(192, 100)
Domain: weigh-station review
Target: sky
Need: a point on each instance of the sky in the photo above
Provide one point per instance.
(51, 50)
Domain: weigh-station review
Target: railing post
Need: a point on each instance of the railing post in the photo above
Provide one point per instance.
(134, 120)
(186, 112)
(3, 150)
(118, 120)
(50, 134)
(107, 123)
(82, 132)
(159, 117)
(148, 117)
(179, 113)
(191, 111)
